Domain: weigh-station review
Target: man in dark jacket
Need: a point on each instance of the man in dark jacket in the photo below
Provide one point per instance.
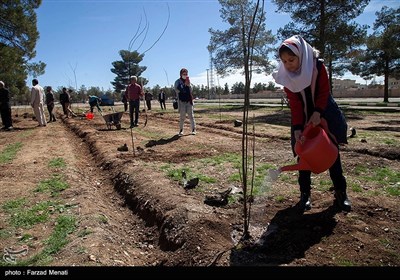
(161, 99)
(94, 101)
(5, 107)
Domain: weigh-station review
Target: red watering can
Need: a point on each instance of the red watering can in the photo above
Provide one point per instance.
(317, 152)
(89, 116)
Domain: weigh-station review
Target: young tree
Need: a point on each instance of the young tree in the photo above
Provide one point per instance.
(271, 86)
(226, 89)
(327, 25)
(238, 88)
(231, 47)
(382, 55)
(244, 46)
(259, 87)
(128, 66)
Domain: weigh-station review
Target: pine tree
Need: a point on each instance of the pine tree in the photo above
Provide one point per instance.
(382, 54)
(327, 25)
(128, 66)
(18, 36)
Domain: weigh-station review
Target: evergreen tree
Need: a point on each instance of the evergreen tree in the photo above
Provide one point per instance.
(382, 54)
(18, 36)
(18, 25)
(128, 66)
(226, 89)
(327, 25)
(36, 69)
(231, 47)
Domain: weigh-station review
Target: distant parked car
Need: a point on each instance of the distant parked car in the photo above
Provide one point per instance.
(106, 101)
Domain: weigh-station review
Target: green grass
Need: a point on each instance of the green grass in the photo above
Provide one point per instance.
(10, 152)
(27, 217)
(12, 205)
(394, 191)
(176, 174)
(102, 218)
(391, 142)
(324, 185)
(234, 178)
(360, 169)
(280, 198)
(25, 134)
(26, 237)
(381, 138)
(259, 177)
(54, 185)
(288, 178)
(5, 233)
(220, 162)
(65, 224)
(81, 250)
(385, 176)
(57, 163)
(382, 176)
(343, 262)
(354, 187)
(84, 232)
(234, 158)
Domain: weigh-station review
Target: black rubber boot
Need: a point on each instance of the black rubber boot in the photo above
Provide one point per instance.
(305, 201)
(343, 201)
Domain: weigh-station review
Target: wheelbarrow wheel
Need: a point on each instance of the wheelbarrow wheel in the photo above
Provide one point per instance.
(118, 125)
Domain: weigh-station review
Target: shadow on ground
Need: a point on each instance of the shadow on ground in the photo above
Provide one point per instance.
(289, 235)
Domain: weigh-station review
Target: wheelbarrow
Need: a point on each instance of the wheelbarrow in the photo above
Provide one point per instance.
(113, 119)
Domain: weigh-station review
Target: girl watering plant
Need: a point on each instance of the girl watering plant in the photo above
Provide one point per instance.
(306, 84)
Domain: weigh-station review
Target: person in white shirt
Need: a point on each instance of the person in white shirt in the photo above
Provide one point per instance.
(37, 102)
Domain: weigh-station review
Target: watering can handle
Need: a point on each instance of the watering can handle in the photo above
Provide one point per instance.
(324, 125)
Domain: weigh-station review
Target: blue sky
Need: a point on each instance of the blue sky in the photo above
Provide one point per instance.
(81, 38)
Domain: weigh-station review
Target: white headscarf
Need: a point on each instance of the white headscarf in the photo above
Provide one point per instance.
(299, 80)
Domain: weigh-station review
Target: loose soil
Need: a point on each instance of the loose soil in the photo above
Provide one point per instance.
(131, 208)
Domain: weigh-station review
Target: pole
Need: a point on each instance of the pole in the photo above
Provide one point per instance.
(208, 85)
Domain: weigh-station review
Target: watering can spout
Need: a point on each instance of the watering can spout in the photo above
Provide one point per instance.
(302, 165)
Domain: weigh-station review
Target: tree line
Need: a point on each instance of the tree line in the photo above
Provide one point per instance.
(329, 25)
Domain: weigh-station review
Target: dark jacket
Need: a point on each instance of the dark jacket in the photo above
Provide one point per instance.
(49, 98)
(4, 96)
(64, 98)
(184, 91)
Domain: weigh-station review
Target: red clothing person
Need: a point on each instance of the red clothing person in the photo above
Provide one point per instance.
(133, 94)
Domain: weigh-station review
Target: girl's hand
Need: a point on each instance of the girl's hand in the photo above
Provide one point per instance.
(297, 134)
(315, 119)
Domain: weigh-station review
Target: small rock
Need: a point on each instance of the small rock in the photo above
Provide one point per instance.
(123, 148)
(237, 123)
(92, 258)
